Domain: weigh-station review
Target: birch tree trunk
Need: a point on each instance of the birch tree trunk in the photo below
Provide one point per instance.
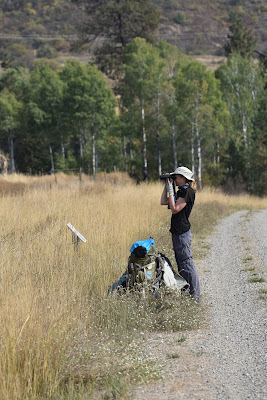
(158, 136)
(94, 153)
(199, 171)
(51, 158)
(62, 147)
(131, 157)
(174, 146)
(218, 153)
(245, 130)
(63, 150)
(174, 151)
(199, 159)
(61, 140)
(81, 142)
(144, 141)
(11, 154)
(125, 153)
(96, 158)
(192, 150)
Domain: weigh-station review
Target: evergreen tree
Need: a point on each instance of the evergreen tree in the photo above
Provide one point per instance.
(116, 23)
(240, 39)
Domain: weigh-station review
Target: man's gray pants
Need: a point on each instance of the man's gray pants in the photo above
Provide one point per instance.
(185, 263)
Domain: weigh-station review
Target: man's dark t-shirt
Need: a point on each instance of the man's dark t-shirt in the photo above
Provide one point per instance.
(179, 222)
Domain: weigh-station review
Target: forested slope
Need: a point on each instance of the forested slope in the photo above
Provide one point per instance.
(197, 27)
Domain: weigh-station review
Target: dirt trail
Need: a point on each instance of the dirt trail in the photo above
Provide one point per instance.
(228, 358)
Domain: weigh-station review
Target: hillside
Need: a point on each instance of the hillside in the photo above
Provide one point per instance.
(46, 29)
(201, 26)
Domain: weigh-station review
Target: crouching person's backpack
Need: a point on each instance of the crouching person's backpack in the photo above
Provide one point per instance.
(148, 269)
(141, 264)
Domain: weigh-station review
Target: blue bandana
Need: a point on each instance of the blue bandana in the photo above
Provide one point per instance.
(144, 243)
(185, 186)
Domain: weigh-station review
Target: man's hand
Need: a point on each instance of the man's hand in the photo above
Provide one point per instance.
(169, 188)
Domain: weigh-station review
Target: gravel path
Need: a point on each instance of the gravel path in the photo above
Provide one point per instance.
(227, 360)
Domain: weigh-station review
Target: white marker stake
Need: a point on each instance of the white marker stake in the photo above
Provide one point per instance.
(76, 236)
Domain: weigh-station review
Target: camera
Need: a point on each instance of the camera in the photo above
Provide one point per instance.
(166, 176)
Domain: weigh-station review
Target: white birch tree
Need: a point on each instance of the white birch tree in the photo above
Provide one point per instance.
(199, 101)
(9, 121)
(142, 64)
(89, 107)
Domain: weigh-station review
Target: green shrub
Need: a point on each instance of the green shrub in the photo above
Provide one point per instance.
(180, 18)
(46, 51)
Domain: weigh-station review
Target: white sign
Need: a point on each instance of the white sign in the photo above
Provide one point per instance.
(76, 232)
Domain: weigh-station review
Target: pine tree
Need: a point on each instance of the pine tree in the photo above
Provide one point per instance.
(240, 39)
(116, 23)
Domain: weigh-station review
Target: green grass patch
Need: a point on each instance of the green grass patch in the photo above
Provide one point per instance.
(256, 280)
(172, 355)
(249, 269)
(181, 340)
(262, 294)
(200, 353)
(247, 259)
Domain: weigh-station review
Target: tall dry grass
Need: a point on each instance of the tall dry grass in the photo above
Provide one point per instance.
(53, 298)
(59, 333)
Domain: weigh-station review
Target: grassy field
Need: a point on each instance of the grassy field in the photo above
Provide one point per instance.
(60, 336)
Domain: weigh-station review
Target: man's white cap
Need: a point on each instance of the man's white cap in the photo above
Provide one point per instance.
(184, 172)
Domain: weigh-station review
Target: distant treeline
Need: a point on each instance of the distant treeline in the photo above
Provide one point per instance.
(168, 110)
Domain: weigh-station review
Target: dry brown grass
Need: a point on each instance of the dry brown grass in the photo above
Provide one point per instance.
(52, 296)
(17, 184)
